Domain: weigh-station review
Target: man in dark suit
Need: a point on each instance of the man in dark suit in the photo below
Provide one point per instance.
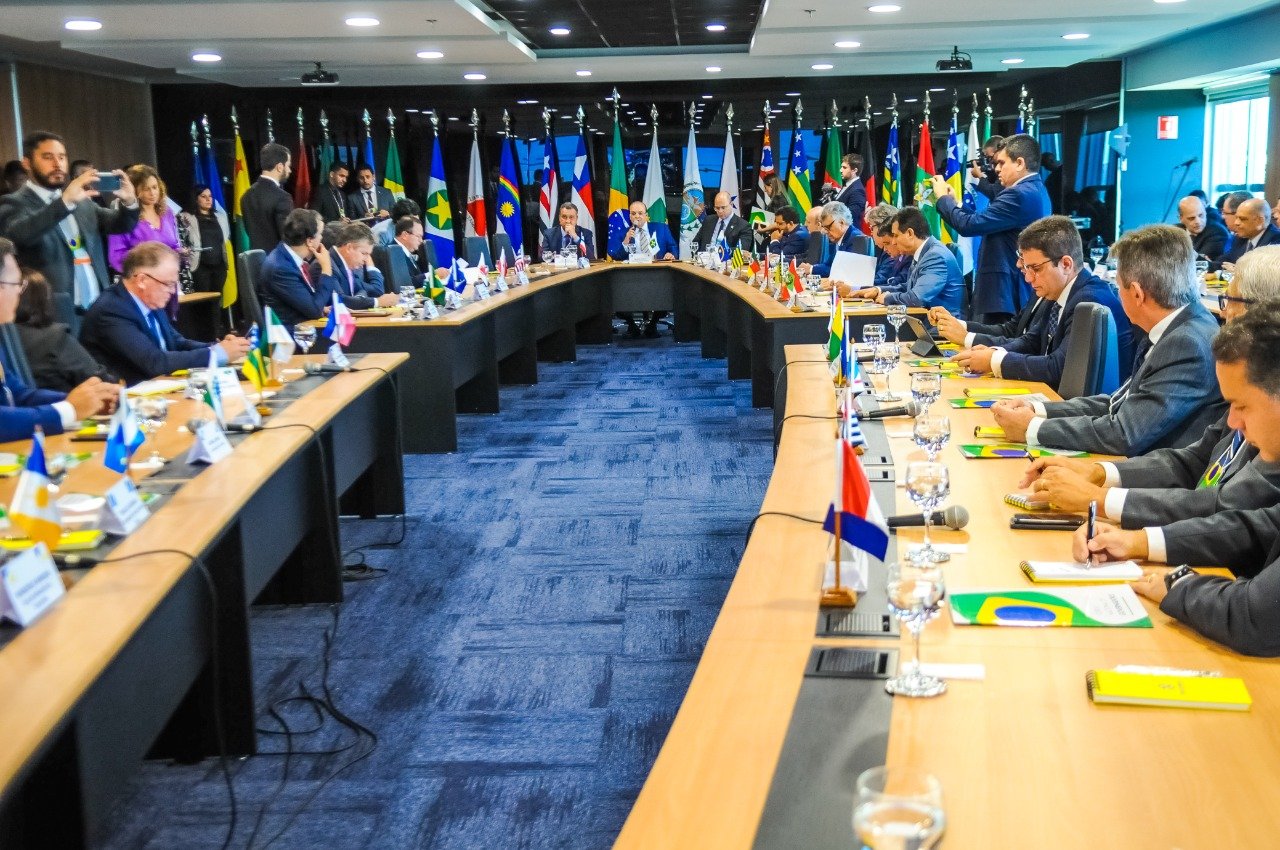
(58, 228)
(969, 334)
(1052, 258)
(331, 200)
(999, 290)
(398, 261)
(23, 407)
(935, 279)
(266, 204)
(725, 224)
(648, 238)
(369, 202)
(360, 283)
(287, 285)
(567, 234)
(1253, 229)
(1171, 396)
(853, 194)
(1242, 613)
(1208, 238)
(128, 330)
(792, 239)
(837, 224)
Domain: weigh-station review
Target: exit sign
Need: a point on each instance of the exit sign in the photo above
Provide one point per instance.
(1167, 127)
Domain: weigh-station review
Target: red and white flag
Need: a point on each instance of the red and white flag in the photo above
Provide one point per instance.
(477, 215)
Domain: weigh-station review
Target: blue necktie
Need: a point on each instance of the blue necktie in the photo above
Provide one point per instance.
(1051, 329)
(155, 330)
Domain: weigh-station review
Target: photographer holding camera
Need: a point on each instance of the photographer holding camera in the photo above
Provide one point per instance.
(984, 167)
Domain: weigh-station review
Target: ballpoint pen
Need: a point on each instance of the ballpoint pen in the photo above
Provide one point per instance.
(1093, 519)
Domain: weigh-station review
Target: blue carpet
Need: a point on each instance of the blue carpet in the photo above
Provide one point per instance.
(523, 657)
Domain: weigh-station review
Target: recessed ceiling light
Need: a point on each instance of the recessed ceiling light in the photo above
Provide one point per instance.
(205, 57)
(453, 118)
(362, 21)
(784, 103)
(939, 88)
(911, 100)
(1012, 60)
(1075, 36)
(713, 69)
(822, 66)
(759, 126)
(83, 24)
(793, 94)
(559, 30)
(706, 97)
(474, 75)
(848, 45)
(583, 72)
(884, 8)
(413, 110)
(716, 27)
(430, 54)
(877, 113)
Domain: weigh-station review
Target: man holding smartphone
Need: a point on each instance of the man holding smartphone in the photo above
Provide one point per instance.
(58, 228)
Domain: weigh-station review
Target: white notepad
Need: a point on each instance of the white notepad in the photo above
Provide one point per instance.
(1070, 571)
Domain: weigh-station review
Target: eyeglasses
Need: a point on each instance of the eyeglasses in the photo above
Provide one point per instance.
(1034, 268)
(170, 285)
(20, 284)
(1224, 299)
(826, 225)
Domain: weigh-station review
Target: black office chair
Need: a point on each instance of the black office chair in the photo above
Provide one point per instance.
(477, 248)
(248, 270)
(502, 248)
(1093, 360)
(862, 245)
(818, 249)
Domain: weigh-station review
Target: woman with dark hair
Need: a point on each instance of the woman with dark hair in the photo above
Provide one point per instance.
(57, 359)
(210, 262)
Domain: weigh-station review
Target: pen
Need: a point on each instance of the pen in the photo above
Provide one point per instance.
(1093, 518)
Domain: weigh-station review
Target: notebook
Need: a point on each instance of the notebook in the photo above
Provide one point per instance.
(1043, 572)
(1090, 606)
(1023, 503)
(988, 432)
(1017, 450)
(997, 392)
(70, 541)
(1216, 692)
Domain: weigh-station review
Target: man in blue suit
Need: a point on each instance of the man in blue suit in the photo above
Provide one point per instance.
(22, 408)
(645, 238)
(1052, 259)
(398, 261)
(852, 193)
(935, 279)
(568, 235)
(360, 284)
(127, 329)
(836, 222)
(999, 290)
(287, 284)
(792, 240)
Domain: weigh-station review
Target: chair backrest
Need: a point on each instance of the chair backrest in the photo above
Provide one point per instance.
(502, 247)
(15, 353)
(477, 247)
(816, 252)
(248, 270)
(1093, 363)
(430, 248)
(862, 244)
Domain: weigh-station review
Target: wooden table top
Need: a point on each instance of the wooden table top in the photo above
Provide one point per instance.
(196, 297)
(48, 666)
(1024, 758)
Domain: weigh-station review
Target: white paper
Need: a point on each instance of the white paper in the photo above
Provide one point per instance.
(853, 570)
(857, 270)
(971, 672)
(211, 444)
(1072, 571)
(29, 585)
(522, 279)
(429, 310)
(235, 406)
(124, 511)
(159, 386)
(337, 357)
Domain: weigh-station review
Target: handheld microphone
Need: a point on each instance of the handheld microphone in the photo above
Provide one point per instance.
(194, 425)
(911, 408)
(323, 368)
(953, 517)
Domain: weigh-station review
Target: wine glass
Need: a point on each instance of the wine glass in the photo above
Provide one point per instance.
(304, 336)
(898, 807)
(872, 335)
(1097, 250)
(928, 485)
(151, 413)
(926, 387)
(884, 361)
(931, 433)
(897, 316)
(915, 588)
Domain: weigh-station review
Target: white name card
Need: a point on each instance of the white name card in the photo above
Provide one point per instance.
(482, 291)
(522, 279)
(429, 310)
(29, 585)
(211, 444)
(124, 510)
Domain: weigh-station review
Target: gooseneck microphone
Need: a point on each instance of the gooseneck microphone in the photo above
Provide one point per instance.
(911, 408)
(323, 368)
(194, 425)
(956, 517)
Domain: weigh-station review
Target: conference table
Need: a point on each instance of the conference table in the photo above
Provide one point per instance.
(762, 755)
(459, 360)
(149, 651)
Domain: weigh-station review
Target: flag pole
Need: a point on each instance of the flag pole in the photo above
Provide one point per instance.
(838, 596)
(271, 130)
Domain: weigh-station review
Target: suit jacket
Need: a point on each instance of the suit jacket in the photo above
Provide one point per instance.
(737, 233)
(1235, 250)
(116, 334)
(358, 292)
(998, 286)
(854, 196)
(1028, 319)
(848, 242)
(666, 242)
(935, 281)
(891, 271)
(555, 239)
(1211, 242)
(265, 206)
(357, 208)
(1031, 357)
(1171, 399)
(793, 244)
(31, 406)
(398, 269)
(57, 359)
(331, 203)
(34, 227)
(286, 291)
(1162, 484)
(1243, 614)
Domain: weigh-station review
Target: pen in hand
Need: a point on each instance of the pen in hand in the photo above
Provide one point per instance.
(1093, 518)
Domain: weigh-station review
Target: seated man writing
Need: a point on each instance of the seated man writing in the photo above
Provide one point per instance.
(935, 279)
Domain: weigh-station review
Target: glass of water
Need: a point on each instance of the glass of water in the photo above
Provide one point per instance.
(897, 316)
(872, 335)
(152, 413)
(928, 485)
(304, 336)
(916, 589)
(884, 361)
(898, 808)
(931, 433)
(926, 387)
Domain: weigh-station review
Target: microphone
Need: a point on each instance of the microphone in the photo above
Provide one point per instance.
(322, 368)
(73, 561)
(953, 517)
(911, 408)
(194, 425)
(1189, 162)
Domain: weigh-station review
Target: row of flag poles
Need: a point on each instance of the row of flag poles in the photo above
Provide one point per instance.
(883, 183)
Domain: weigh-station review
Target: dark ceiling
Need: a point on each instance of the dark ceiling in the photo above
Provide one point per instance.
(608, 24)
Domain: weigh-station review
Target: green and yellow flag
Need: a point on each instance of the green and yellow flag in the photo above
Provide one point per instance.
(617, 173)
(392, 176)
(798, 176)
(239, 235)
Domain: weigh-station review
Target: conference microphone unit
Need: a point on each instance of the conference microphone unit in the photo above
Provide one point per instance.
(323, 368)
(72, 561)
(955, 517)
(194, 425)
(911, 408)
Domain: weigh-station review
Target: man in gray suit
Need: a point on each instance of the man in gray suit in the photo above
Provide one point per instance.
(1221, 471)
(1243, 613)
(58, 228)
(1171, 396)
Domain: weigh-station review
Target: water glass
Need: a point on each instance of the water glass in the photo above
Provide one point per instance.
(884, 361)
(926, 387)
(897, 316)
(151, 414)
(872, 335)
(898, 808)
(304, 336)
(931, 433)
(915, 588)
(928, 485)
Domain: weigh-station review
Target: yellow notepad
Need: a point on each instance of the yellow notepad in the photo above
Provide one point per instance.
(1023, 502)
(988, 432)
(1216, 692)
(70, 541)
(995, 392)
(1048, 572)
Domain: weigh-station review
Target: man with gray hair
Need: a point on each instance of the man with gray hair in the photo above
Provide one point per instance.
(836, 222)
(1171, 396)
(1208, 238)
(1252, 229)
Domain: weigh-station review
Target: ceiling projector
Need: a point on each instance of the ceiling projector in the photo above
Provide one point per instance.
(319, 77)
(957, 61)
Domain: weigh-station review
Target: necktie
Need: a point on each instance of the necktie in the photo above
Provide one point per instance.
(715, 238)
(1213, 475)
(155, 330)
(368, 199)
(306, 275)
(1052, 328)
(351, 282)
(1119, 395)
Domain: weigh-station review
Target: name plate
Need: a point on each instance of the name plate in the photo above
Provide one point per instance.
(429, 310)
(29, 585)
(211, 444)
(522, 279)
(500, 284)
(482, 291)
(124, 510)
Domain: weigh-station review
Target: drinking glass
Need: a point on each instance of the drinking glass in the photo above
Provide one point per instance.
(408, 295)
(151, 413)
(928, 485)
(304, 336)
(931, 433)
(898, 808)
(916, 589)
(897, 316)
(884, 361)
(926, 387)
(1097, 250)
(197, 381)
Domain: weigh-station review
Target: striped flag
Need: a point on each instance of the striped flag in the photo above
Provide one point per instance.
(581, 195)
(862, 524)
(955, 156)
(549, 195)
(231, 287)
(766, 170)
(341, 325)
(798, 175)
(890, 185)
(924, 171)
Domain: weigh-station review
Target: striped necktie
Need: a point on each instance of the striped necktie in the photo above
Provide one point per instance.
(1118, 397)
(1051, 330)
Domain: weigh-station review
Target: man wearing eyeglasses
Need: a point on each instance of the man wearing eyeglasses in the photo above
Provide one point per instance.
(726, 224)
(836, 222)
(22, 408)
(128, 331)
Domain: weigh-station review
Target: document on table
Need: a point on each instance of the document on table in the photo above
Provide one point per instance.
(858, 270)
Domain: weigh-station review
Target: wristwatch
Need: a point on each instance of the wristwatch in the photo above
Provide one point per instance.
(1174, 576)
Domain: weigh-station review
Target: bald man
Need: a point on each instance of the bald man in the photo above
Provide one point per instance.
(1253, 229)
(1208, 238)
(725, 224)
